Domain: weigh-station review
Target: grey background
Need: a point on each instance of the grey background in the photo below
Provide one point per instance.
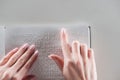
(102, 15)
(2, 42)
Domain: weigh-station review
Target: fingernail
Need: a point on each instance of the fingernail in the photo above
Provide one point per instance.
(32, 46)
(36, 52)
(49, 56)
(76, 41)
(84, 45)
(25, 45)
(52, 57)
(15, 49)
(63, 30)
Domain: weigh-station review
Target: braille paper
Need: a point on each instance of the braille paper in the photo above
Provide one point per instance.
(47, 41)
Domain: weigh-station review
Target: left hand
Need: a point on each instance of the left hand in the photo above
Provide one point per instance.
(16, 64)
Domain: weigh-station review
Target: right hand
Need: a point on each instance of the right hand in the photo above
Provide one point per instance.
(78, 62)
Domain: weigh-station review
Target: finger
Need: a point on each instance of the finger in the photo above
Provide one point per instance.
(84, 53)
(91, 55)
(76, 51)
(77, 58)
(16, 56)
(28, 65)
(64, 44)
(93, 67)
(8, 56)
(58, 60)
(23, 59)
(29, 77)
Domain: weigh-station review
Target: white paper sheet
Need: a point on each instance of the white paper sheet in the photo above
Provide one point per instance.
(47, 41)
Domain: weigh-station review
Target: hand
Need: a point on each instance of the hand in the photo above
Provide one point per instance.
(78, 62)
(16, 64)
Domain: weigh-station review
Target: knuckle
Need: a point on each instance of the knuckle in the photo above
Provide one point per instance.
(15, 77)
(5, 75)
(64, 73)
(85, 63)
(78, 62)
(21, 61)
(6, 58)
(14, 59)
(16, 55)
(19, 76)
(27, 66)
(69, 63)
(11, 61)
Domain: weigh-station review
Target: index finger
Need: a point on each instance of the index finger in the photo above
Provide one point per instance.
(66, 49)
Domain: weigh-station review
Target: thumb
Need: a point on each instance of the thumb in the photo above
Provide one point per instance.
(58, 60)
(29, 77)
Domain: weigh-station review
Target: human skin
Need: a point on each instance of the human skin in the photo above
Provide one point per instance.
(78, 62)
(16, 64)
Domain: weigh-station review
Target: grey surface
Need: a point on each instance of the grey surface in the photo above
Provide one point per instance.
(47, 41)
(103, 15)
(2, 42)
